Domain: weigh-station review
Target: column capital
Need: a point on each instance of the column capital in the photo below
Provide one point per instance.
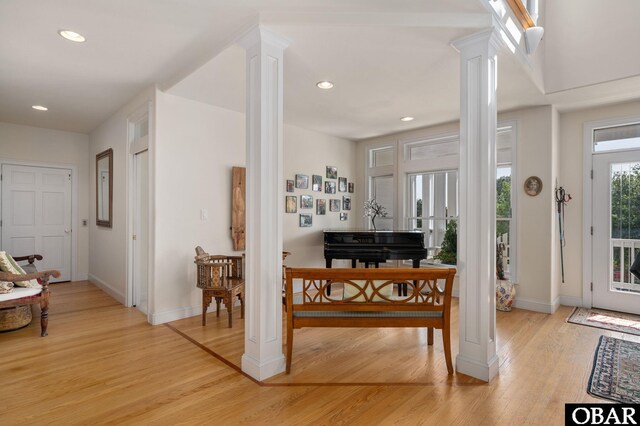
(259, 34)
(489, 37)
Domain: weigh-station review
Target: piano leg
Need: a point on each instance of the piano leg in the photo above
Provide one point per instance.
(353, 263)
(328, 263)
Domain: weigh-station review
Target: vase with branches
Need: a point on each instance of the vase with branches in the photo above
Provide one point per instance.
(374, 209)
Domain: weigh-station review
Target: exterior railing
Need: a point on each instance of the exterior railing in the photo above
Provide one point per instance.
(622, 253)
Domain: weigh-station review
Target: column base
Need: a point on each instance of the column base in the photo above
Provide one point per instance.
(263, 370)
(476, 369)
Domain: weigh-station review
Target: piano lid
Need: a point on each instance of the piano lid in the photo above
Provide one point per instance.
(371, 231)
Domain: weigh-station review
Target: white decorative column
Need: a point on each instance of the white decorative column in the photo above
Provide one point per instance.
(263, 355)
(477, 225)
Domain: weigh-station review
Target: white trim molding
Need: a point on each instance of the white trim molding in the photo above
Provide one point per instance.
(107, 288)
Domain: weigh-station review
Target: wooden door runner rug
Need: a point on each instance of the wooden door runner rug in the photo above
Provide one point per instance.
(616, 371)
(608, 320)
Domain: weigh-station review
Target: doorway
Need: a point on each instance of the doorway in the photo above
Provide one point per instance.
(37, 215)
(140, 227)
(616, 230)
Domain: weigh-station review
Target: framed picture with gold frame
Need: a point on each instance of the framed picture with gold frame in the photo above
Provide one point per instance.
(533, 186)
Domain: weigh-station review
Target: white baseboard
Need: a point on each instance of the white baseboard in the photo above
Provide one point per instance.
(116, 294)
(185, 312)
(571, 301)
(175, 314)
(81, 276)
(536, 305)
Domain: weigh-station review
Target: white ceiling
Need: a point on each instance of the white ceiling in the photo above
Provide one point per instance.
(387, 58)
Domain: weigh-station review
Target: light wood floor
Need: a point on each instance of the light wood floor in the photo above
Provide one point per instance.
(103, 364)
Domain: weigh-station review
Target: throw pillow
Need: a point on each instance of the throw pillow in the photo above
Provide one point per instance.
(5, 287)
(351, 290)
(7, 264)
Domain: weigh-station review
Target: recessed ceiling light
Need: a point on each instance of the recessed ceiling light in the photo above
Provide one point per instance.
(406, 119)
(40, 108)
(324, 85)
(72, 36)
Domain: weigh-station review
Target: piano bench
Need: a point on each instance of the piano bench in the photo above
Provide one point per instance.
(367, 300)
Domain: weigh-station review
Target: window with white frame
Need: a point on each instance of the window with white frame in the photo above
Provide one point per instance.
(428, 191)
(433, 203)
(380, 181)
(505, 201)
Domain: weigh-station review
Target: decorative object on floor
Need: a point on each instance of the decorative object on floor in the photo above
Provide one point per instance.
(222, 278)
(449, 248)
(607, 320)
(290, 185)
(329, 187)
(306, 220)
(562, 198)
(238, 206)
(505, 295)
(306, 202)
(291, 204)
(351, 187)
(373, 209)
(342, 184)
(616, 371)
(321, 206)
(316, 183)
(15, 306)
(343, 216)
(533, 186)
(332, 172)
(346, 202)
(334, 205)
(302, 181)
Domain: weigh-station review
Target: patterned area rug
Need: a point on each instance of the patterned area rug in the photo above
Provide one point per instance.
(616, 371)
(609, 320)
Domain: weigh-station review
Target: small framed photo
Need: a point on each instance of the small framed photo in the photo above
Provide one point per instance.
(342, 184)
(334, 205)
(346, 202)
(332, 172)
(290, 185)
(302, 181)
(321, 206)
(306, 220)
(329, 187)
(351, 187)
(306, 202)
(316, 183)
(533, 186)
(343, 216)
(291, 204)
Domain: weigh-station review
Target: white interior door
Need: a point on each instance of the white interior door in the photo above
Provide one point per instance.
(141, 231)
(616, 230)
(36, 215)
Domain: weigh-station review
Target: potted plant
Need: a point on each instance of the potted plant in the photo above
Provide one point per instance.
(449, 249)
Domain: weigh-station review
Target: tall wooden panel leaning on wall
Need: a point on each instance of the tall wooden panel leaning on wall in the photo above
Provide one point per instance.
(238, 197)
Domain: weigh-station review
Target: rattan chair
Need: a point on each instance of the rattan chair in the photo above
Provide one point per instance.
(222, 278)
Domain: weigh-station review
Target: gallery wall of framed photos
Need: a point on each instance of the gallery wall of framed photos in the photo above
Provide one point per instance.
(307, 195)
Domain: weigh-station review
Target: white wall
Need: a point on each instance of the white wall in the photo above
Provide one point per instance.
(34, 144)
(196, 147)
(108, 246)
(571, 177)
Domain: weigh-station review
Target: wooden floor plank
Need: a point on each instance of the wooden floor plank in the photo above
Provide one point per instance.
(103, 363)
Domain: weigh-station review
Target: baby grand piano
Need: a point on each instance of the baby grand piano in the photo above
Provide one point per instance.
(373, 247)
